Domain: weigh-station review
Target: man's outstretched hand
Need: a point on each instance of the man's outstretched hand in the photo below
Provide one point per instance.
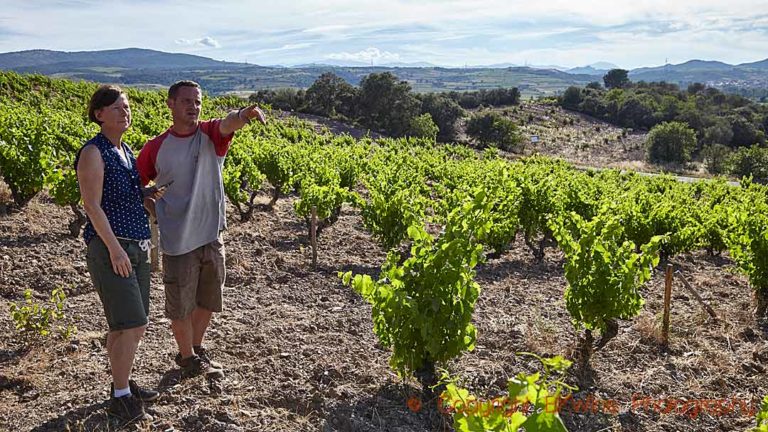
(252, 112)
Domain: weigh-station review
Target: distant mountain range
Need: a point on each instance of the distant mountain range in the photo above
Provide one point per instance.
(714, 73)
(135, 66)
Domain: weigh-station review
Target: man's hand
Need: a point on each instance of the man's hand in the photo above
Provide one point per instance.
(252, 112)
(237, 119)
(151, 198)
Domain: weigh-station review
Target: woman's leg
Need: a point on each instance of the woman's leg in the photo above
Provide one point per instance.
(121, 348)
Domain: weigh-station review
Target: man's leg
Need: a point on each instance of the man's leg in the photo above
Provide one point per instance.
(182, 277)
(190, 360)
(183, 333)
(209, 296)
(210, 287)
(201, 318)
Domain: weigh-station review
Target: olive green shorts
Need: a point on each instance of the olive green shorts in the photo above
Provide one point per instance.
(194, 279)
(125, 300)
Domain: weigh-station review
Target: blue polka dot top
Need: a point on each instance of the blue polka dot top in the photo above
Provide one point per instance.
(121, 197)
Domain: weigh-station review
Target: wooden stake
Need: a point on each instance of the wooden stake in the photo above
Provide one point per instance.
(313, 236)
(667, 302)
(695, 293)
(153, 252)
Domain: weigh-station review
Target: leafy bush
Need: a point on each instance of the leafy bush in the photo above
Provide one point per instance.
(602, 269)
(422, 307)
(762, 417)
(424, 127)
(671, 142)
(532, 404)
(716, 158)
(752, 161)
(493, 129)
(35, 320)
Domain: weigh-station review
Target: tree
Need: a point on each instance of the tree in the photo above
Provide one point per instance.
(716, 158)
(595, 85)
(571, 98)
(423, 127)
(695, 88)
(635, 113)
(445, 112)
(493, 129)
(387, 104)
(593, 104)
(616, 78)
(719, 132)
(469, 100)
(288, 99)
(501, 96)
(752, 161)
(671, 142)
(330, 95)
(744, 132)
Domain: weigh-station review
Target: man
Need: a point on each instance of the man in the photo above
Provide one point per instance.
(189, 158)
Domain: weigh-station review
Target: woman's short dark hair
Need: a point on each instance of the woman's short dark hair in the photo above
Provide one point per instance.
(104, 96)
(179, 84)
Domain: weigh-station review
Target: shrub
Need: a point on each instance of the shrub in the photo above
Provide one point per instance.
(424, 127)
(671, 142)
(35, 320)
(716, 158)
(493, 129)
(751, 161)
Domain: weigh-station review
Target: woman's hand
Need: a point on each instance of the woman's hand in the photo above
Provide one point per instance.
(121, 264)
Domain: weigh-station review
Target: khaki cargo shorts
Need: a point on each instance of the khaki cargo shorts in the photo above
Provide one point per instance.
(194, 279)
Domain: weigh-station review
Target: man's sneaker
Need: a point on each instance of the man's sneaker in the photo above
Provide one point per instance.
(141, 394)
(127, 408)
(203, 354)
(195, 365)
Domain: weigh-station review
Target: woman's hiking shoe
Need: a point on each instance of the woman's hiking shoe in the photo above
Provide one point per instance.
(141, 394)
(127, 408)
(196, 365)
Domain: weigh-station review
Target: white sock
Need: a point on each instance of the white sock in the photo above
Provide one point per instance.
(122, 392)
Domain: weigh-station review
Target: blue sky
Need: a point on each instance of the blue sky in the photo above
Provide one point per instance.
(448, 33)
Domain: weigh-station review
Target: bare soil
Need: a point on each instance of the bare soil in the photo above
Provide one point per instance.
(300, 353)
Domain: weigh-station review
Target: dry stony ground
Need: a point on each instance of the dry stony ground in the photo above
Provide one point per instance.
(301, 355)
(578, 138)
(585, 141)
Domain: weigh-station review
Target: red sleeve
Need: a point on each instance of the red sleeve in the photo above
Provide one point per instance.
(145, 163)
(220, 143)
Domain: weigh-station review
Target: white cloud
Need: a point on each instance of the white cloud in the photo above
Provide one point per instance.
(200, 42)
(447, 31)
(287, 47)
(367, 55)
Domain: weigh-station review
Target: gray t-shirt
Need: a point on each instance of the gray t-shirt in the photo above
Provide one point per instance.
(192, 211)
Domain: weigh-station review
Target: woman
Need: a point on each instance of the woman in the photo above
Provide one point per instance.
(117, 234)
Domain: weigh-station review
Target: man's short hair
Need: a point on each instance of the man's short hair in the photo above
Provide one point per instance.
(174, 89)
(104, 96)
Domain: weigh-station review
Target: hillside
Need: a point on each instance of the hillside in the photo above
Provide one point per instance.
(146, 67)
(141, 66)
(713, 73)
(51, 62)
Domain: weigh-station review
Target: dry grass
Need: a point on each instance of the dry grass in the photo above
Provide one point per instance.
(541, 335)
(649, 328)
